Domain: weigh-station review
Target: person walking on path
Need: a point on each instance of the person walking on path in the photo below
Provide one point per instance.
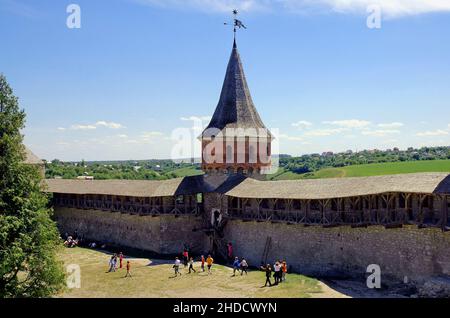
(283, 271)
(176, 266)
(185, 258)
(244, 266)
(115, 262)
(191, 265)
(120, 260)
(236, 266)
(209, 262)
(268, 270)
(277, 270)
(112, 267)
(203, 263)
(128, 269)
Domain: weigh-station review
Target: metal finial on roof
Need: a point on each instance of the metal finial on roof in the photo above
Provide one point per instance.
(237, 24)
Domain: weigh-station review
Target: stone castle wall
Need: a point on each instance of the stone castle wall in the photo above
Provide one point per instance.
(408, 251)
(312, 250)
(163, 234)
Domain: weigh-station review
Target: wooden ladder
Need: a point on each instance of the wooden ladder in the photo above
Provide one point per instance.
(265, 254)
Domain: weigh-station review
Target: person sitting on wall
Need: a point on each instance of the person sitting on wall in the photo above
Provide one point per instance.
(67, 241)
(70, 242)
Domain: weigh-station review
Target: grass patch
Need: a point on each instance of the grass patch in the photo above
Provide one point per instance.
(157, 281)
(187, 172)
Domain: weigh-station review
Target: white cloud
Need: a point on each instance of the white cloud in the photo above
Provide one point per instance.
(302, 124)
(389, 142)
(390, 8)
(349, 123)
(132, 141)
(83, 127)
(391, 125)
(101, 123)
(196, 118)
(151, 135)
(380, 132)
(110, 125)
(212, 5)
(325, 132)
(438, 132)
(290, 138)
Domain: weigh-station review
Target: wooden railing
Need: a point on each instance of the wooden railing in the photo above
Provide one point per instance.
(437, 216)
(135, 208)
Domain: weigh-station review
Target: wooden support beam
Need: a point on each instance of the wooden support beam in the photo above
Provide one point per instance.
(444, 217)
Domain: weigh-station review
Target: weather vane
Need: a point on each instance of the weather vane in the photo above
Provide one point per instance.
(237, 24)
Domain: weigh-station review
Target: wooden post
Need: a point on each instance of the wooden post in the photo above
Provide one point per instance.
(444, 214)
(420, 215)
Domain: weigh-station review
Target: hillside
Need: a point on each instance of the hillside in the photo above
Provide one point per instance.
(373, 169)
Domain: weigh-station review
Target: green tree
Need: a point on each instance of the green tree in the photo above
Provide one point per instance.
(28, 236)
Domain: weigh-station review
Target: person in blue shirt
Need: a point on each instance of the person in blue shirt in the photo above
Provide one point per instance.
(236, 266)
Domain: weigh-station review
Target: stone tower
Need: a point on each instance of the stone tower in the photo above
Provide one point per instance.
(236, 140)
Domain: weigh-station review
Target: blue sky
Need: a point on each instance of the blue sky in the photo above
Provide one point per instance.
(138, 69)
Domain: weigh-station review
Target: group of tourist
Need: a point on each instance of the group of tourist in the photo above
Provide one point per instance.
(189, 261)
(241, 265)
(116, 262)
(71, 242)
(279, 271)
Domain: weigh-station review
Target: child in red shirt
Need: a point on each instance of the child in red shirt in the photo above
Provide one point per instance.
(128, 269)
(121, 259)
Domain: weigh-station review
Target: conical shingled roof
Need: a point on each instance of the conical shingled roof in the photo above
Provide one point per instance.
(235, 108)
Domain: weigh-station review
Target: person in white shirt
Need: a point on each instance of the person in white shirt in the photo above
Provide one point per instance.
(277, 270)
(176, 266)
(191, 265)
(244, 266)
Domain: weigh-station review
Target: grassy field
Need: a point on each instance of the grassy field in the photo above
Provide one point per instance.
(283, 174)
(155, 280)
(187, 172)
(375, 169)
